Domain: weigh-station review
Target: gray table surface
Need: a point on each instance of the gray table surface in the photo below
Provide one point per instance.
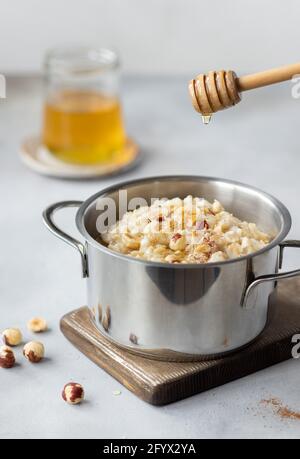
(257, 142)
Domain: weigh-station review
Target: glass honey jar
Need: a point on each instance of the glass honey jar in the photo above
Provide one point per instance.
(82, 122)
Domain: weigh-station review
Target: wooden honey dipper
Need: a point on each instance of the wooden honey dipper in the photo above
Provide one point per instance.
(218, 90)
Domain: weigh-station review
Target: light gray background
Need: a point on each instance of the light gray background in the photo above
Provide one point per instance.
(156, 36)
(257, 142)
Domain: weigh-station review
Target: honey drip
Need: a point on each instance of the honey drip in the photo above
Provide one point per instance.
(206, 119)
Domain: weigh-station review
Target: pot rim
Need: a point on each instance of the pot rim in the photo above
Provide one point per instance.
(285, 214)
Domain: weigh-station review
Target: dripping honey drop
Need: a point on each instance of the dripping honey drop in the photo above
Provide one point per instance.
(206, 119)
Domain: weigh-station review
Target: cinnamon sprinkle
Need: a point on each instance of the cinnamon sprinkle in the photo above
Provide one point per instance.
(283, 411)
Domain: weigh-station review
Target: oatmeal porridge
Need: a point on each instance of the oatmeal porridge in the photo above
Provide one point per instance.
(189, 230)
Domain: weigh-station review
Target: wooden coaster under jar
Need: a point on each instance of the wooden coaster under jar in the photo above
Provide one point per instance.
(34, 155)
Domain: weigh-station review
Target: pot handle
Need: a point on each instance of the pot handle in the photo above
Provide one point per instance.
(272, 277)
(49, 222)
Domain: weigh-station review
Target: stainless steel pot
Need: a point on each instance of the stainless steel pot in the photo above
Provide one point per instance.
(181, 312)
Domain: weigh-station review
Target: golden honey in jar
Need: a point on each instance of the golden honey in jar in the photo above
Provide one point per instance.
(82, 114)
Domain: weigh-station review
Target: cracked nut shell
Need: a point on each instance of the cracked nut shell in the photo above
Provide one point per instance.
(7, 358)
(37, 325)
(12, 336)
(73, 393)
(34, 351)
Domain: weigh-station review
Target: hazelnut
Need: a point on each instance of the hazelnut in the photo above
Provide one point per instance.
(177, 242)
(202, 225)
(7, 358)
(34, 351)
(73, 393)
(12, 336)
(37, 325)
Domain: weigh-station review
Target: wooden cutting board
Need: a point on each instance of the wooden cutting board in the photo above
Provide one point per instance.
(160, 382)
